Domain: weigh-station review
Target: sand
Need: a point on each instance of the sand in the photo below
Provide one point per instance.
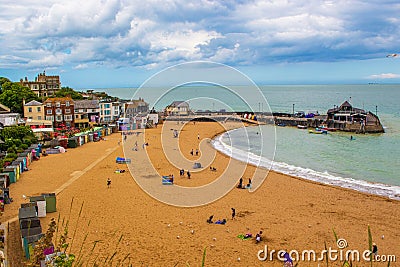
(292, 213)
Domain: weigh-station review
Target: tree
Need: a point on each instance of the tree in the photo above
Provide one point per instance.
(66, 91)
(3, 80)
(12, 96)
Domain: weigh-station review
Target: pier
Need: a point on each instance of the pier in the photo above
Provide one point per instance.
(369, 124)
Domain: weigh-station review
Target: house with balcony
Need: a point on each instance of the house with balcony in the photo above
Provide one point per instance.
(87, 113)
(43, 85)
(60, 110)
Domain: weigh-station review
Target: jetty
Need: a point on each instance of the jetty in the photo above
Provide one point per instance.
(340, 118)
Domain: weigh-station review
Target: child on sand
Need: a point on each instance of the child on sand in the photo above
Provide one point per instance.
(108, 183)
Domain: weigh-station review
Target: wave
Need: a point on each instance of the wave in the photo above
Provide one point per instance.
(390, 191)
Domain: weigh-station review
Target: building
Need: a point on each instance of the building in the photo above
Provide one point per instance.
(43, 86)
(87, 113)
(346, 112)
(348, 118)
(110, 111)
(60, 110)
(135, 107)
(9, 119)
(34, 110)
(177, 108)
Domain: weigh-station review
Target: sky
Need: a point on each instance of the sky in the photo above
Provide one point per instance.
(121, 43)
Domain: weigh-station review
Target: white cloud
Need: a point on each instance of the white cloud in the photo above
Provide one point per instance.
(384, 76)
(159, 32)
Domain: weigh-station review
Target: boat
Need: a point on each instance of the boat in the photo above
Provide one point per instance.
(302, 126)
(324, 127)
(318, 131)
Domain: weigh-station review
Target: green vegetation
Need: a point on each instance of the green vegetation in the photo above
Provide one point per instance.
(16, 140)
(66, 91)
(12, 95)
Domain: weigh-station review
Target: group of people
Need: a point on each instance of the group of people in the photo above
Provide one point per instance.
(182, 173)
(192, 152)
(242, 186)
(258, 236)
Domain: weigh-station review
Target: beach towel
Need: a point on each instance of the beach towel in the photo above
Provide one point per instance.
(166, 180)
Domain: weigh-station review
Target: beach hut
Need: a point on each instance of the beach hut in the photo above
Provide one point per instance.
(51, 202)
(12, 172)
(18, 166)
(23, 161)
(40, 202)
(73, 142)
(4, 180)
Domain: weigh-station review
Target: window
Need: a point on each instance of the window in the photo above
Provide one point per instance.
(68, 117)
(76, 116)
(107, 112)
(58, 111)
(49, 118)
(49, 112)
(59, 118)
(29, 109)
(30, 118)
(67, 103)
(39, 117)
(39, 109)
(115, 112)
(58, 104)
(67, 111)
(48, 104)
(106, 105)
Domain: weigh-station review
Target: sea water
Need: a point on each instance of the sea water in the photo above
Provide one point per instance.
(369, 163)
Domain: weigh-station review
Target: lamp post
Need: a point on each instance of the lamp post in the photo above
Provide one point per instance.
(376, 113)
(293, 111)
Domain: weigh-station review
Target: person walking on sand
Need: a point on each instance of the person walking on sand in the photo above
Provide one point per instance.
(108, 183)
(198, 136)
(233, 213)
(191, 152)
(188, 174)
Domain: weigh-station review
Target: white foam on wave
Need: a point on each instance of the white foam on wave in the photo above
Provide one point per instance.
(390, 191)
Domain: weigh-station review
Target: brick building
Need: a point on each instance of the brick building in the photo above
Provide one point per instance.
(60, 111)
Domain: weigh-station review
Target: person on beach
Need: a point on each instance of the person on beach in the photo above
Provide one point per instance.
(197, 152)
(223, 221)
(248, 186)
(191, 152)
(233, 213)
(258, 237)
(182, 172)
(198, 136)
(374, 249)
(188, 174)
(240, 185)
(210, 220)
(108, 183)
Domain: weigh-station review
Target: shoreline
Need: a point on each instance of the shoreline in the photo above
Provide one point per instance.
(357, 185)
(293, 213)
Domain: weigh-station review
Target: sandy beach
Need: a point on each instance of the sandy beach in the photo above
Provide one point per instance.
(293, 214)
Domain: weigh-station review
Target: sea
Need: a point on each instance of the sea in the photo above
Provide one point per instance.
(367, 162)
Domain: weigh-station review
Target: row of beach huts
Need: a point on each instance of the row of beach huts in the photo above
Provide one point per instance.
(38, 206)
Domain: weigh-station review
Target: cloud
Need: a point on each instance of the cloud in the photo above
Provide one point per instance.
(155, 33)
(384, 76)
